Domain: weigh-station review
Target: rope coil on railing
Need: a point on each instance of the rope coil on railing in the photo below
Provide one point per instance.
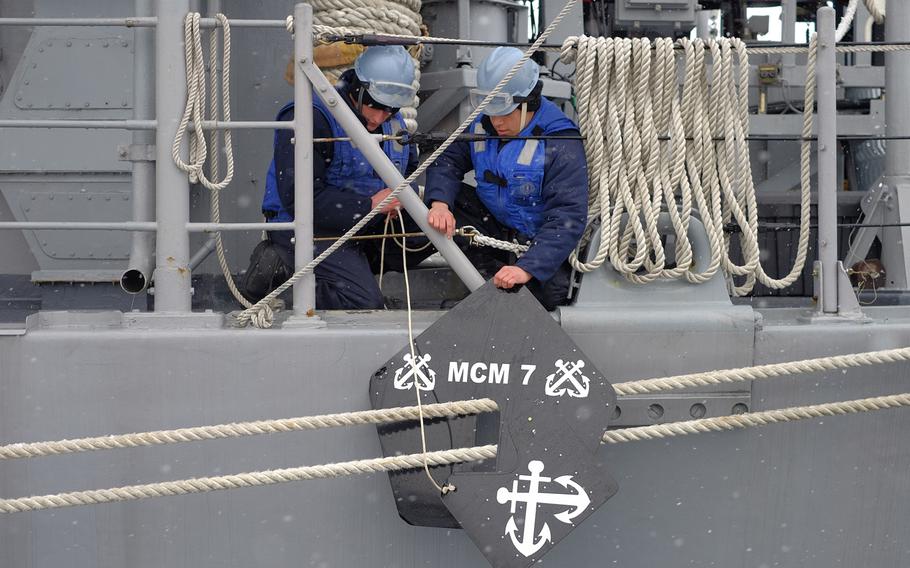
(651, 147)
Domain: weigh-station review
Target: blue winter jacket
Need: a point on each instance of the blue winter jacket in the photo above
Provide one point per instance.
(536, 187)
(337, 207)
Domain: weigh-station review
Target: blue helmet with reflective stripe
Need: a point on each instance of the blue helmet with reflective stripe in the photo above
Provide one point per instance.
(387, 72)
(491, 71)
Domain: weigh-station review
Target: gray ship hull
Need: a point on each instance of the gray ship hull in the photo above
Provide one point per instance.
(816, 493)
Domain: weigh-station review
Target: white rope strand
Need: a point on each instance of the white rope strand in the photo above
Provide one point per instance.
(443, 489)
(439, 458)
(243, 429)
(253, 479)
(755, 419)
(853, 360)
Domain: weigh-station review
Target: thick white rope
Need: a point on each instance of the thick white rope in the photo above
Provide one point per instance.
(439, 458)
(440, 410)
(195, 105)
(755, 419)
(846, 20)
(852, 360)
(876, 9)
(253, 479)
(443, 489)
(194, 110)
(652, 146)
(247, 315)
(243, 429)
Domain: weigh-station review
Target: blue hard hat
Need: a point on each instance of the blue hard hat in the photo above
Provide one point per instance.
(387, 72)
(491, 71)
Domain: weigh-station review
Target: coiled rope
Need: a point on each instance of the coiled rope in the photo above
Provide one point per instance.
(256, 311)
(652, 146)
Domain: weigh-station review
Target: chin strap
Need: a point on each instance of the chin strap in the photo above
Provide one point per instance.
(524, 116)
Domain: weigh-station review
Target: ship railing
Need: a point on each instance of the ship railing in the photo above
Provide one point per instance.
(171, 189)
(171, 193)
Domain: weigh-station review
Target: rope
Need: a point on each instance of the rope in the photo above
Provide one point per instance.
(846, 20)
(195, 104)
(253, 479)
(871, 48)
(651, 146)
(243, 429)
(443, 489)
(194, 110)
(480, 240)
(438, 458)
(853, 360)
(441, 410)
(876, 9)
(755, 419)
(247, 315)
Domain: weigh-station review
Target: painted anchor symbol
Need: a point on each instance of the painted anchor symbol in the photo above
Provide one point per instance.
(577, 502)
(554, 385)
(415, 368)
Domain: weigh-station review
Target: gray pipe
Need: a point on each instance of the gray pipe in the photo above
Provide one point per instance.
(304, 291)
(138, 274)
(172, 275)
(826, 75)
(203, 253)
(131, 124)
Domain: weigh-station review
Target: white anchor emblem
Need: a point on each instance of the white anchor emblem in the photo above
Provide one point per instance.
(577, 502)
(415, 366)
(568, 373)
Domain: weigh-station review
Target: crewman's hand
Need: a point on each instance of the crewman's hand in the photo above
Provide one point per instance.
(391, 206)
(509, 276)
(441, 219)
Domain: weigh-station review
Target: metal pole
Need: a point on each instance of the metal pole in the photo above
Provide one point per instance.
(149, 226)
(304, 291)
(128, 22)
(65, 123)
(262, 226)
(897, 81)
(172, 274)
(826, 76)
(138, 274)
(390, 175)
(896, 247)
(131, 124)
(788, 29)
(203, 253)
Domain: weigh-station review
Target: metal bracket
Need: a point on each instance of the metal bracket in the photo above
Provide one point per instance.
(874, 207)
(136, 153)
(848, 307)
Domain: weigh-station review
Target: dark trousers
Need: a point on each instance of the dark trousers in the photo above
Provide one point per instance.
(345, 280)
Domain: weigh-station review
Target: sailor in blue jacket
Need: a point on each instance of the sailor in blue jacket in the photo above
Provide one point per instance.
(345, 186)
(535, 190)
